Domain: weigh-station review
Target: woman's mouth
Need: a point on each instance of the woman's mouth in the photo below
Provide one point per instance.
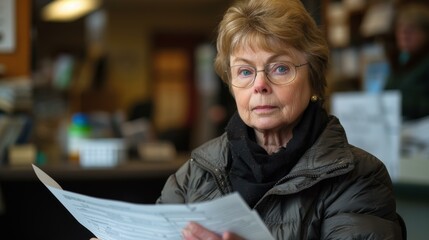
(263, 109)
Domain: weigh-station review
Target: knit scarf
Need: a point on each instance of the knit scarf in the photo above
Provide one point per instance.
(252, 171)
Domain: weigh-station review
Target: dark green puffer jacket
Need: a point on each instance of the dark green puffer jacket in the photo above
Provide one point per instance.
(413, 83)
(335, 191)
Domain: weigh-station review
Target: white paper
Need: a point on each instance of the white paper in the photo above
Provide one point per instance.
(114, 220)
(373, 123)
(414, 138)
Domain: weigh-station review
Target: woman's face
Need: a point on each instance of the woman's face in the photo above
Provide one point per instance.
(410, 38)
(267, 107)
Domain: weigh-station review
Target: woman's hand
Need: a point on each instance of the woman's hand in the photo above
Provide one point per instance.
(194, 231)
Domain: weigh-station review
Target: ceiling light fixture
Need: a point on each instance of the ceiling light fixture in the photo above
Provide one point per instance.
(68, 10)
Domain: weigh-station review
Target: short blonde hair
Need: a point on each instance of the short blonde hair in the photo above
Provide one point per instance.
(273, 25)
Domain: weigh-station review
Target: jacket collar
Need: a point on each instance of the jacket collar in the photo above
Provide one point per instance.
(330, 148)
(331, 151)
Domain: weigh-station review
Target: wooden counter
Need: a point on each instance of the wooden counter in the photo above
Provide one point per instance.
(131, 169)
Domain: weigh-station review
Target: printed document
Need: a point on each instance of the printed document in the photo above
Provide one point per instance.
(372, 122)
(117, 220)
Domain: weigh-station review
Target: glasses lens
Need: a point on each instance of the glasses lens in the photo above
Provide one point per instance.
(242, 75)
(281, 73)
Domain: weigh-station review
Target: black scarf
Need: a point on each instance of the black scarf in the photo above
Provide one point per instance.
(253, 172)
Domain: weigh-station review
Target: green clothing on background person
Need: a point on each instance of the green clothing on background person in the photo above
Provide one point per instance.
(413, 82)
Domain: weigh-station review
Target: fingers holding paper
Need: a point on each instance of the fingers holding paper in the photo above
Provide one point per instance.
(194, 231)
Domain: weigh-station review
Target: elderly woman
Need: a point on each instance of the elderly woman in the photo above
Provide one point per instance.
(281, 151)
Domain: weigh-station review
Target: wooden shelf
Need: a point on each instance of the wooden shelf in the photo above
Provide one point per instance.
(132, 169)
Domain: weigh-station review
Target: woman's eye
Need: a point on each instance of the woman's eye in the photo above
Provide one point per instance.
(281, 69)
(245, 72)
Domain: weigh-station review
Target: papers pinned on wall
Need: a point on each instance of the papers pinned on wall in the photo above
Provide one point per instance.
(372, 121)
(7, 26)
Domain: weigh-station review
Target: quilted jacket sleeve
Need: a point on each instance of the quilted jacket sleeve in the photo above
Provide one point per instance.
(191, 183)
(361, 204)
(174, 188)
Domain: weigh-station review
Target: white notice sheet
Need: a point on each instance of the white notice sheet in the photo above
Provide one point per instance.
(117, 220)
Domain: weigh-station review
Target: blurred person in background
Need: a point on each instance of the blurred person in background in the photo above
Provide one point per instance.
(409, 59)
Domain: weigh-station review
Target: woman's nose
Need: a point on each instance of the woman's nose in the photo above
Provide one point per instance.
(261, 84)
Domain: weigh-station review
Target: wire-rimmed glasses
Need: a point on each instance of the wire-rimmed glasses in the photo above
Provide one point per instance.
(279, 73)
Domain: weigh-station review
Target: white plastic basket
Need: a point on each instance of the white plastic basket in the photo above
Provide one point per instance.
(102, 152)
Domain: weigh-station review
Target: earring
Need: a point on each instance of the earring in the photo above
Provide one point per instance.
(314, 98)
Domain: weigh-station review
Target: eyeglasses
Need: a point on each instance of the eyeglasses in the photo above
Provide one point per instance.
(279, 73)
